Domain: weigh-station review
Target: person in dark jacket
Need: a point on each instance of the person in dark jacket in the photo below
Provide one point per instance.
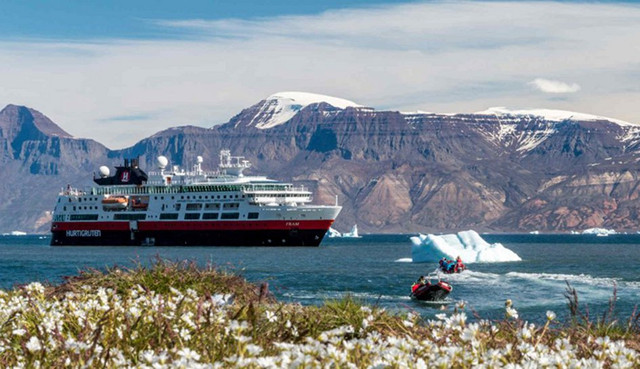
(419, 282)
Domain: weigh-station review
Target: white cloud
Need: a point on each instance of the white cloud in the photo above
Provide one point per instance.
(554, 87)
(434, 56)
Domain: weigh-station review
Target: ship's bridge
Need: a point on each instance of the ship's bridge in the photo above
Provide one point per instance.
(276, 193)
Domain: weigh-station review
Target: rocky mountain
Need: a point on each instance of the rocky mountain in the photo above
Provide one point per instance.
(496, 170)
(37, 159)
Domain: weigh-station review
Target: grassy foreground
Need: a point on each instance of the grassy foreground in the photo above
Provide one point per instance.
(176, 315)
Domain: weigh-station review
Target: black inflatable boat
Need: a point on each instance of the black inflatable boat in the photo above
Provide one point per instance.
(431, 292)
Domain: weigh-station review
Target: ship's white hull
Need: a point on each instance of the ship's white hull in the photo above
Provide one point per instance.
(190, 208)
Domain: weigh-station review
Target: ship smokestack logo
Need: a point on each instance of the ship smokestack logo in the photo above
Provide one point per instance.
(124, 177)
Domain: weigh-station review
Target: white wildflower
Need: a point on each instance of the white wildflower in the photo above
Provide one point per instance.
(253, 350)
(134, 312)
(35, 287)
(147, 355)
(243, 339)
(188, 354)
(19, 332)
(525, 333)
(34, 344)
(470, 332)
(185, 334)
(271, 316)
(511, 313)
(458, 319)
(550, 315)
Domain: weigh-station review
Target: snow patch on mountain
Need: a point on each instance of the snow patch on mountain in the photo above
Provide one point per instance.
(551, 115)
(282, 106)
(519, 133)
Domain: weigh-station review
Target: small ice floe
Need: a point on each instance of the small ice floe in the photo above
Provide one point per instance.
(404, 260)
(599, 231)
(331, 233)
(467, 244)
(15, 233)
(534, 232)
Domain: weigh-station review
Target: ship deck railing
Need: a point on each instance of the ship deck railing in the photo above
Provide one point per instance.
(249, 189)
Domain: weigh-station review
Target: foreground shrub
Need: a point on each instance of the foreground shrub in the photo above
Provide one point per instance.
(176, 315)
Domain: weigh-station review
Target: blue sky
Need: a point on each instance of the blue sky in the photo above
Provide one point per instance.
(119, 71)
(78, 19)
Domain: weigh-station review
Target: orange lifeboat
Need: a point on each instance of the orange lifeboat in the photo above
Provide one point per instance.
(115, 202)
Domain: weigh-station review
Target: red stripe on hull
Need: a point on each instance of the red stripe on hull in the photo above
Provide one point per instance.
(85, 226)
(225, 225)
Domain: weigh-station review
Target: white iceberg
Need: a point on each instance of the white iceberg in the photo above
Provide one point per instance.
(353, 233)
(332, 233)
(599, 231)
(467, 244)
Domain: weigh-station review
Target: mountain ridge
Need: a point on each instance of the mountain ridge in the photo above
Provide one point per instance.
(392, 171)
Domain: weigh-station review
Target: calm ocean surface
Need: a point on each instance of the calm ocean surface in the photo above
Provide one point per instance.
(375, 269)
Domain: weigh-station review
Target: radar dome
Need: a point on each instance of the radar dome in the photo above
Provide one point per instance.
(162, 161)
(199, 159)
(104, 171)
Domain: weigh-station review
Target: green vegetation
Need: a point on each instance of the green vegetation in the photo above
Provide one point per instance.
(173, 315)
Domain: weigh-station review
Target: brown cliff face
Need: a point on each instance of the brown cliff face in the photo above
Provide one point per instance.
(391, 172)
(395, 172)
(37, 159)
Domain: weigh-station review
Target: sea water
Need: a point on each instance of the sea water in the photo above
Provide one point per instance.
(377, 270)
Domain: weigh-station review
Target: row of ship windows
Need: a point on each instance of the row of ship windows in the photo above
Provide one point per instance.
(190, 207)
(187, 189)
(163, 189)
(206, 197)
(188, 197)
(166, 216)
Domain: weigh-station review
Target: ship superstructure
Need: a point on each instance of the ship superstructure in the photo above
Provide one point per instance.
(176, 207)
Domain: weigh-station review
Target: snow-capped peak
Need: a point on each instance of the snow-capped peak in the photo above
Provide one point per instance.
(550, 115)
(282, 106)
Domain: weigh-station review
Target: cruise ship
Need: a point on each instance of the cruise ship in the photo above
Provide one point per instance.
(174, 207)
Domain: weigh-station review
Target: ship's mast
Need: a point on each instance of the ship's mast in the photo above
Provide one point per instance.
(233, 165)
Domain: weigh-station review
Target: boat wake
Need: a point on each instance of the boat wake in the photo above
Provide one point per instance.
(404, 260)
(474, 277)
(445, 301)
(577, 278)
